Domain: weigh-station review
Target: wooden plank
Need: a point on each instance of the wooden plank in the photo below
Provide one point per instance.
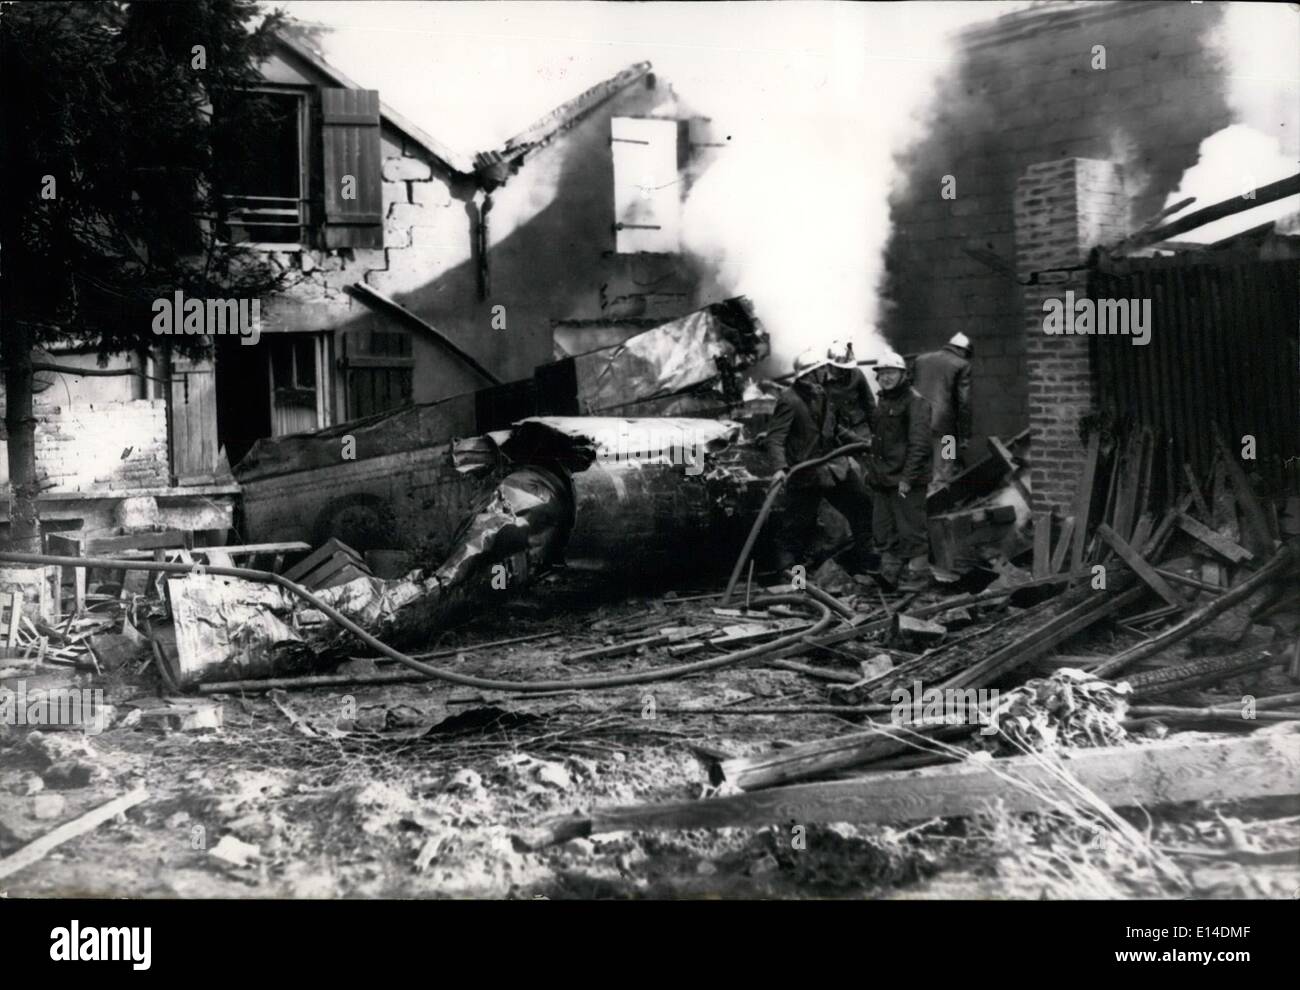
(1194, 489)
(1224, 506)
(215, 556)
(70, 546)
(322, 576)
(238, 550)
(108, 545)
(1129, 467)
(1083, 501)
(1062, 545)
(1221, 545)
(980, 478)
(1277, 566)
(38, 849)
(1203, 671)
(1042, 544)
(1208, 214)
(1212, 572)
(1142, 531)
(15, 616)
(1150, 451)
(349, 572)
(318, 556)
(1045, 638)
(943, 542)
(1140, 567)
(1156, 544)
(781, 766)
(192, 408)
(1258, 537)
(1176, 771)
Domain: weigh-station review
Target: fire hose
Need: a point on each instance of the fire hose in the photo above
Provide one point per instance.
(439, 673)
(766, 510)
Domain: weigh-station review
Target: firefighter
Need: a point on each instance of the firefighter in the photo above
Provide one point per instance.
(943, 377)
(898, 472)
(803, 427)
(855, 407)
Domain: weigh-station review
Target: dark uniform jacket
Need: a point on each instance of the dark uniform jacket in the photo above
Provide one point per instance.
(900, 449)
(943, 377)
(855, 407)
(802, 427)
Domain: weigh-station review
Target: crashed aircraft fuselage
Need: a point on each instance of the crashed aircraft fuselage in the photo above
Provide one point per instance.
(643, 496)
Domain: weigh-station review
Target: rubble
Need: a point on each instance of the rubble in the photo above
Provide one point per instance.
(1070, 709)
(1169, 772)
(1111, 683)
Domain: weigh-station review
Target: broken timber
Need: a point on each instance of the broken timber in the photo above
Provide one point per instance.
(1221, 545)
(781, 766)
(1263, 764)
(1258, 537)
(1043, 639)
(1278, 565)
(1139, 566)
(1200, 672)
(978, 479)
(1018, 640)
(38, 849)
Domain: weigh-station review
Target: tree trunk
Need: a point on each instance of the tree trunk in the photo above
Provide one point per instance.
(24, 519)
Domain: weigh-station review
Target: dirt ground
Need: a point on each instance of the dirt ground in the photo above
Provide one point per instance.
(415, 790)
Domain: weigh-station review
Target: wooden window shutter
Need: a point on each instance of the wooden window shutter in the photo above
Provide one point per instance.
(647, 186)
(350, 142)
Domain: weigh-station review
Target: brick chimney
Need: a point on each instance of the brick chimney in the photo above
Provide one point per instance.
(1062, 210)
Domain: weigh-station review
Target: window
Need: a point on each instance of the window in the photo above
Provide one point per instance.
(380, 369)
(264, 170)
(647, 185)
(297, 365)
(285, 137)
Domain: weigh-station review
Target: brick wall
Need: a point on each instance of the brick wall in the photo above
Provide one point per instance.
(1062, 209)
(115, 445)
(1023, 91)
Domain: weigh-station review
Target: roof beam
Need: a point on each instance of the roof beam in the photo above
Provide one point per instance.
(1229, 207)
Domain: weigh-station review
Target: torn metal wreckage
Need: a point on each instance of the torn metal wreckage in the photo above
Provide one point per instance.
(653, 496)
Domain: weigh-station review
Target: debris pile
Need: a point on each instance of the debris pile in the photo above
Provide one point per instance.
(1142, 652)
(1068, 709)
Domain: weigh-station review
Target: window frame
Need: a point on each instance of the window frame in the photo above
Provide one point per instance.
(320, 344)
(305, 96)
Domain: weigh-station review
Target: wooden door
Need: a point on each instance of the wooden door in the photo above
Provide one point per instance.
(193, 420)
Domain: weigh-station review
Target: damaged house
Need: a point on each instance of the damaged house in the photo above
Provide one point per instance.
(447, 275)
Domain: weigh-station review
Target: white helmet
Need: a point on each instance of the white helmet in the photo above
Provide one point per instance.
(960, 340)
(840, 354)
(890, 359)
(806, 363)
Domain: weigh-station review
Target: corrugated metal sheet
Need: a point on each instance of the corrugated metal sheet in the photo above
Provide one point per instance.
(1223, 351)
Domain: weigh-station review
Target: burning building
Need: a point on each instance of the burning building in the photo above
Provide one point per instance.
(1079, 140)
